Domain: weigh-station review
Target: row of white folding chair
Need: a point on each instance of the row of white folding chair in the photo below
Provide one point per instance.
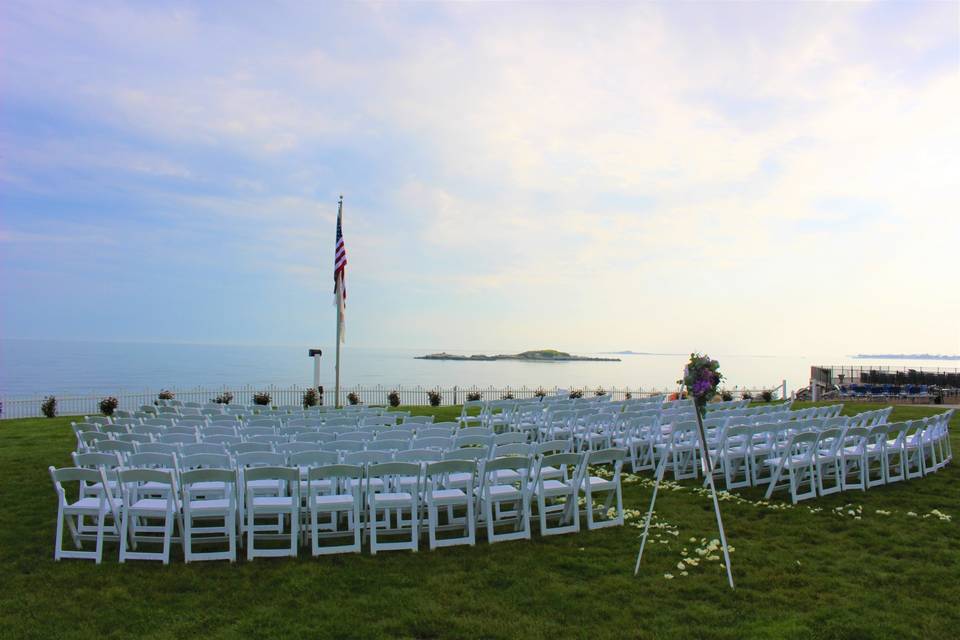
(159, 498)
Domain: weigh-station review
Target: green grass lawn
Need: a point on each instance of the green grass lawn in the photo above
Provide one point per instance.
(801, 572)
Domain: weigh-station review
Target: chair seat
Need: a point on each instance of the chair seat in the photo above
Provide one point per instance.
(791, 462)
(442, 496)
(272, 502)
(264, 484)
(149, 504)
(390, 499)
(330, 500)
(507, 475)
(218, 504)
(200, 487)
(88, 504)
(599, 483)
(503, 491)
(553, 488)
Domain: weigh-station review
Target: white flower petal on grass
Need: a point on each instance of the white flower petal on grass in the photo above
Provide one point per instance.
(681, 566)
(668, 576)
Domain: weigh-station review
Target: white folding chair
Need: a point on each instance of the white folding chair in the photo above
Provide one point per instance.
(440, 492)
(599, 517)
(98, 506)
(334, 490)
(219, 505)
(283, 503)
(148, 494)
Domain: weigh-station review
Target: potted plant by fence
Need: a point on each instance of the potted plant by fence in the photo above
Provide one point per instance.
(473, 396)
(108, 405)
(353, 398)
(576, 393)
(507, 396)
(49, 406)
(224, 398)
(766, 395)
(746, 395)
(310, 398)
(540, 393)
(434, 397)
(394, 398)
(600, 391)
(628, 396)
(726, 396)
(261, 398)
(166, 394)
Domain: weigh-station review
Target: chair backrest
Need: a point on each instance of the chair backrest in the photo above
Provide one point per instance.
(313, 437)
(249, 447)
(260, 459)
(367, 457)
(473, 440)
(432, 443)
(391, 472)
(434, 432)
(312, 458)
(289, 475)
(152, 461)
(510, 437)
(227, 441)
(206, 461)
(197, 476)
(514, 449)
(436, 473)
(418, 455)
(106, 446)
(470, 453)
(201, 447)
(614, 456)
(96, 459)
(344, 446)
(158, 447)
(552, 446)
(352, 472)
(388, 445)
(418, 420)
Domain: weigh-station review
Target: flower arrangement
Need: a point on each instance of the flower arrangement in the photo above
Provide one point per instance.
(628, 396)
(540, 393)
(49, 406)
(434, 397)
(576, 393)
(166, 394)
(600, 391)
(310, 398)
(261, 398)
(108, 405)
(224, 398)
(394, 398)
(507, 396)
(473, 396)
(702, 377)
(353, 398)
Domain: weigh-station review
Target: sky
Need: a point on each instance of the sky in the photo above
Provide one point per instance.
(754, 177)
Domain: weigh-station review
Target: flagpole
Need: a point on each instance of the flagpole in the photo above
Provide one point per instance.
(336, 387)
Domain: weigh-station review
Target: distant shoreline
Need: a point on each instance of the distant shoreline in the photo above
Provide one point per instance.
(542, 355)
(904, 356)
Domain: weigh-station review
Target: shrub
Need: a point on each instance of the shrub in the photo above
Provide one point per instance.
(434, 397)
(726, 396)
(767, 395)
(224, 398)
(108, 405)
(628, 396)
(540, 393)
(394, 398)
(507, 396)
(600, 391)
(473, 396)
(353, 398)
(49, 406)
(310, 398)
(746, 395)
(166, 394)
(576, 393)
(261, 398)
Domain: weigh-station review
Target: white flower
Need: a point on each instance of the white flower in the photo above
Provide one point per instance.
(681, 566)
(668, 576)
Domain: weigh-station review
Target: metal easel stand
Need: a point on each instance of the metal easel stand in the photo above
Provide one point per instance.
(707, 466)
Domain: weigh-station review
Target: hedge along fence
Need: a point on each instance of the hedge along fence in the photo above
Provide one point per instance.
(29, 407)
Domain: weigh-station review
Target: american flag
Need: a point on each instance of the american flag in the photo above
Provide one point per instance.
(339, 272)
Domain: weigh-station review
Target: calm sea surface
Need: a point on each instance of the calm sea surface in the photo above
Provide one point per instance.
(30, 367)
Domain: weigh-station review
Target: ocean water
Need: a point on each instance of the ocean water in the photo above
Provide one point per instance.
(31, 367)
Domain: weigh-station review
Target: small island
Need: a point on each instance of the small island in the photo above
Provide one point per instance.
(540, 355)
